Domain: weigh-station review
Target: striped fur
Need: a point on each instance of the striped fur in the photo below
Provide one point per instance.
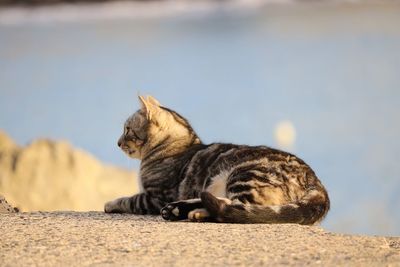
(185, 178)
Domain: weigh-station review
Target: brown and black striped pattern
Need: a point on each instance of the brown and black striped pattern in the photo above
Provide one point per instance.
(185, 179)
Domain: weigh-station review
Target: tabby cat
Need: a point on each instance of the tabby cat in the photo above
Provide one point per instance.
(185, 179)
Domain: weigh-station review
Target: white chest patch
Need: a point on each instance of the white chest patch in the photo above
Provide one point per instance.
(218, 184)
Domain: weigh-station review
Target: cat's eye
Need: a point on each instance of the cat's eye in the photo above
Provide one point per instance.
(135, 135)
(130, 133)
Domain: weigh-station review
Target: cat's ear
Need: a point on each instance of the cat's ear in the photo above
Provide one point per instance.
(149, 109)
(153, 101)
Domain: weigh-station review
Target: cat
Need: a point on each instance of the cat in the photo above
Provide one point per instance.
(182, 178)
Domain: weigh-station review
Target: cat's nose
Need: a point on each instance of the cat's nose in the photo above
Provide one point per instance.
(119, 143)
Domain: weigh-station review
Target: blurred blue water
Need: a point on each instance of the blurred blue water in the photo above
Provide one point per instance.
(332, 71)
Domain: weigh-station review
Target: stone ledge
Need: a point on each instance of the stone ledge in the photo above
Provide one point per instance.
(96, 238)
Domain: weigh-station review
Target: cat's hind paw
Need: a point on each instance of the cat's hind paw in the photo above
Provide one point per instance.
(179, 210)
(171, 213)
(199, 215)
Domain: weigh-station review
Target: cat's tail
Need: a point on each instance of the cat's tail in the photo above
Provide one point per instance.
(310, 209)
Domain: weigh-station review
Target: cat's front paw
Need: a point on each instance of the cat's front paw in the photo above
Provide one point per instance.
(112, 207)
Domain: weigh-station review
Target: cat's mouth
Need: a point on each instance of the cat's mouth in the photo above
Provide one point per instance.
(128, 150)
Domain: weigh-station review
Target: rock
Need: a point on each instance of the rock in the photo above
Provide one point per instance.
(5, 207)
(52, 175)
(99, 239)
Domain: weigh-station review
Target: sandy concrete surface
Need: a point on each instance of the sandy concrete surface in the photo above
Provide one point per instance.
(98, 239)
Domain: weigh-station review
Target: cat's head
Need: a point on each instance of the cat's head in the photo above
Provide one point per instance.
(154, 125)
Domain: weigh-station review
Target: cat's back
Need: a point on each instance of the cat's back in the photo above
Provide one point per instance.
(215, 163)
(220, 156)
